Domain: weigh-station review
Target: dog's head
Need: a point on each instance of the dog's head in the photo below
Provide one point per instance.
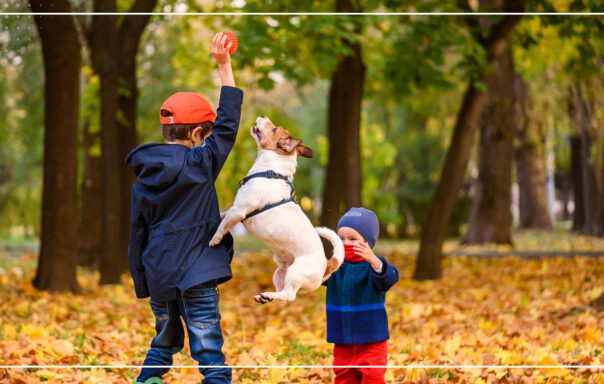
(272, 138)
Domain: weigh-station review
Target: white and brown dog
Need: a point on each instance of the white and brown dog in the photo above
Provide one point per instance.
(266, 205)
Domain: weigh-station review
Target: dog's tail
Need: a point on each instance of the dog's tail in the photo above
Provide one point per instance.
(338, 250)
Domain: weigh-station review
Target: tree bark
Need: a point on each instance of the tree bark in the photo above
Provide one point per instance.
(113, 49)
(577, 176)
(490, 218)
(530, 168)
(593, 224)
(428, 264)
(92, 201)
(61, 54)
(104, 50)
(342, 188)
(130, 32)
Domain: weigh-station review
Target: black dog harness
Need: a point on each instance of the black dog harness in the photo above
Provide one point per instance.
(269, 175)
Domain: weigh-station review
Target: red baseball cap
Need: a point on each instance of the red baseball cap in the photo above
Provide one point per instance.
(187, 108)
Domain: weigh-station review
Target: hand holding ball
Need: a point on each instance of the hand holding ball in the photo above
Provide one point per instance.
(231, 38)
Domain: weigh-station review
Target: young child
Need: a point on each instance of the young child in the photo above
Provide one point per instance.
(174, 215)
(356, 315)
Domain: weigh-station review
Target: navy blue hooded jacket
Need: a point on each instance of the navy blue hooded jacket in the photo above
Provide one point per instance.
(175, 210)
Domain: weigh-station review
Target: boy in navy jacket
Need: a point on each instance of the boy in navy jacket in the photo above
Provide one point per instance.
(356, 315)
(174, 214)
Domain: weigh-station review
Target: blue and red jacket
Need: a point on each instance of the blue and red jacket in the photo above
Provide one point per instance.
(355, 303)
(175, 210)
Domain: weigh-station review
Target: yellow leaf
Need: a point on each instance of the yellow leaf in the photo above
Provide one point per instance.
(547, 360)
(307, 337)
(62, 348)
(46, 374)
(590, 333)
(33, 331)
(414, 374)
(452, 345)
(389, 376)
(480, 380)
(568, 345)
(9, 332)
(275, 375)
(509, 357)
(22, 308)
(501, 373)
(596, 292)
(486, 325)
(415, 311)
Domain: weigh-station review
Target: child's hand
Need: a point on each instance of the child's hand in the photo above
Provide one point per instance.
(361, 248)
(223, 59)
(219, 51)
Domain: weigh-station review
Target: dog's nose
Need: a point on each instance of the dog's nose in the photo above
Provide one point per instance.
(264, 117)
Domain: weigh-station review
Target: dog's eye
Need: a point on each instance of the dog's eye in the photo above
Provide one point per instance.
(274, 129)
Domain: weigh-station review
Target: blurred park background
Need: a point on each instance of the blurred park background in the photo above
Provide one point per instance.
(446, 126)
(468, 135)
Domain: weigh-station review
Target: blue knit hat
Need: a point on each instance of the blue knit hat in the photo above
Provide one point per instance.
(364, 222)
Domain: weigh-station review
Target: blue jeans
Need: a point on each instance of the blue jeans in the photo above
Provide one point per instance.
(198, 306)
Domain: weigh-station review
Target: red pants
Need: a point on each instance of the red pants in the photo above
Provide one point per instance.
(360, 354)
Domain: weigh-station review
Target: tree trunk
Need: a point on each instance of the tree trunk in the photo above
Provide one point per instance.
(428, 264)
(130, 31)
(342, 188)
(61, 53)
(92, 202)
(104, 51)
(577, 174)
(593, 224)
(530, 168)
(490, 218)
(113, 50)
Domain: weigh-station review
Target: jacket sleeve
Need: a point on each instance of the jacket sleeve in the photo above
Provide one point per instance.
(139, 231)
(387, 278)
(221, 141)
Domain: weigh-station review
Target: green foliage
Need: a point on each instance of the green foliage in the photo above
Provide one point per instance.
(552, 53)
(427, 52)
(581, 34)
(417, 70)
(21, 125)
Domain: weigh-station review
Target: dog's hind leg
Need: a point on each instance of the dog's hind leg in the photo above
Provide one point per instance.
(279, 277)
(297, 275)
(231, 217)
(278, 281)
(283, 262)
(287, 294)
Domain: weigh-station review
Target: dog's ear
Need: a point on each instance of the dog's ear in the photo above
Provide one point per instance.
(289, 144)
(305, 151)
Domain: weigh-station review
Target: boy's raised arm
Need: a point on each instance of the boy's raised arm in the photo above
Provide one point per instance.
(224, 133)
(223, 59)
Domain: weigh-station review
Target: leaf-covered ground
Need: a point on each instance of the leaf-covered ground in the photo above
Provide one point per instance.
(495, 311)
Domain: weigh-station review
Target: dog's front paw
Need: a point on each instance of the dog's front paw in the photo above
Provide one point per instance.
(215, 240)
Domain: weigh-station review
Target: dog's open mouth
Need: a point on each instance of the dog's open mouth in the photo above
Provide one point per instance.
(256, 132)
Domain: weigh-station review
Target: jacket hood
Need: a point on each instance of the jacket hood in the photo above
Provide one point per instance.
(157, 165)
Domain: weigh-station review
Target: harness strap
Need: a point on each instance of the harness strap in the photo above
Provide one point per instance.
(267, 207)
(270, 175)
